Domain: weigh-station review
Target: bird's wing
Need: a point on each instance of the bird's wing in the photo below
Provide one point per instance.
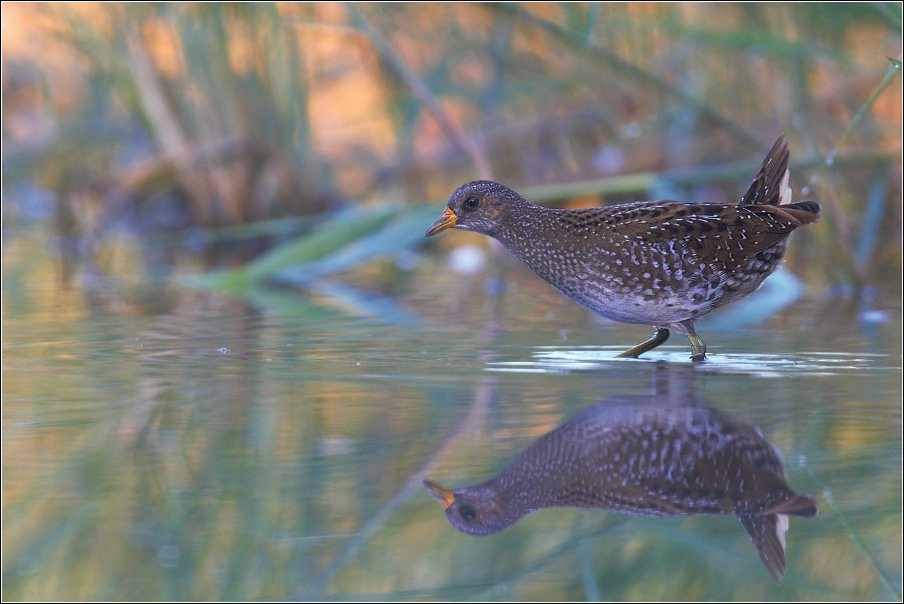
(725, 230)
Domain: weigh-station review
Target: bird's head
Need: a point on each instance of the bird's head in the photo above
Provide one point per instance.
(480, 206)
(474, 510)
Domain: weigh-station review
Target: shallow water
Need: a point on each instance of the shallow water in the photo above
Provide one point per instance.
(171, 443)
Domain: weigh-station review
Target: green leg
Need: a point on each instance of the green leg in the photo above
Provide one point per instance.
(698, 348)
(659, 336)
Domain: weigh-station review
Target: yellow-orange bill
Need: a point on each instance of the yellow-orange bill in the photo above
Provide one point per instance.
(445, 497)
(445, 221)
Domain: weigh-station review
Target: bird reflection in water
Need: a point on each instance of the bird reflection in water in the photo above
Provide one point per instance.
(652, 458)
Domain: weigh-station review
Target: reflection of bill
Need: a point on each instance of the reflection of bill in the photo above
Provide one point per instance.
(642, 459)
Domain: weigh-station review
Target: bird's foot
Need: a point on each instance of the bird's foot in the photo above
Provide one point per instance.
(659, 336)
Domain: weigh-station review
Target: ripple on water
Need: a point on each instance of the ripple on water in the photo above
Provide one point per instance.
(561, 359)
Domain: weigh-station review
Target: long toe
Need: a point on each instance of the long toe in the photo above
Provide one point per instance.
(659, 336)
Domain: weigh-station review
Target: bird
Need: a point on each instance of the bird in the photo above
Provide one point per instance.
(659, 263)
(641, 458)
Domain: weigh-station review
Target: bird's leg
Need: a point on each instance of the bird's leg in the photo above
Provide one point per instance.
(659, 336)
(698, 348)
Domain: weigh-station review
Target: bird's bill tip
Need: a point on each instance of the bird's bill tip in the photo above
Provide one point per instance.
(444, 496)
(445, 221)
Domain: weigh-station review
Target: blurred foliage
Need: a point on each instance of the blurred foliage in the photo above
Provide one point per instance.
(162, 117)
(187, 446)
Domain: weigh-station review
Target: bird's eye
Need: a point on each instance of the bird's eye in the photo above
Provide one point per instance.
(471, 203)
(468, 513)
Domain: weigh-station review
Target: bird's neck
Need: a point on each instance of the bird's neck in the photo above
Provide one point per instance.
(532, 234)
(541, 476)
(525, 221)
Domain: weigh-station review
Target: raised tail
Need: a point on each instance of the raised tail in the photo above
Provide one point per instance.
(768, 536)
(767, 531)
(770, 187)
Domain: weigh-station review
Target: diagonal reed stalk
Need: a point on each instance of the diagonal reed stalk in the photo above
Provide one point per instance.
(423, 93)
(893, 70)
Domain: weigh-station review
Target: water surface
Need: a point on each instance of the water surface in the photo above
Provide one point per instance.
(174, 443)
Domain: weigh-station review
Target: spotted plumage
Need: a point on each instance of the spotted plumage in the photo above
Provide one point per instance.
(646, 459)
(660, 263)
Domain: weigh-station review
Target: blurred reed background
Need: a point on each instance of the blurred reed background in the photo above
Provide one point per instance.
(160, 129)
(163, 442)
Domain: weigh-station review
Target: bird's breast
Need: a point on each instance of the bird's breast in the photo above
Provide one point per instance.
(626, 279)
